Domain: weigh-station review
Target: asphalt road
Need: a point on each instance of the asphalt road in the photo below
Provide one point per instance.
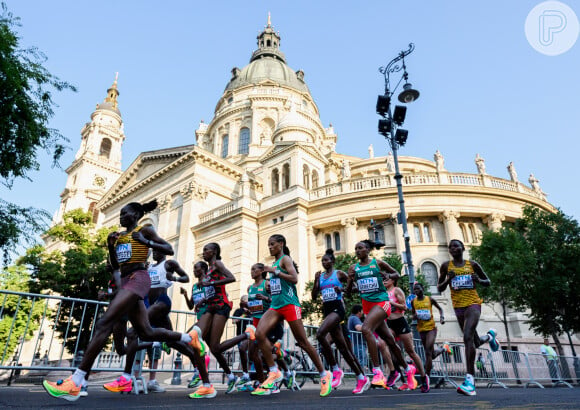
(34, 397)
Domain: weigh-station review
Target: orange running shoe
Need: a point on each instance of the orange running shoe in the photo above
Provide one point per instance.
(251, 332)
(325, 384)
(63, 389)
(204, 393)
(273, 378)
(119, 385)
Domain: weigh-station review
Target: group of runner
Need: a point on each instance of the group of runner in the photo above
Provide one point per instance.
(272, 299)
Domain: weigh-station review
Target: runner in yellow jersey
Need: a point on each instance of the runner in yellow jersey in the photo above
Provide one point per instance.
(462, 276)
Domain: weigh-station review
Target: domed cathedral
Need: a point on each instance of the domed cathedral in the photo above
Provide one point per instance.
(266, 165)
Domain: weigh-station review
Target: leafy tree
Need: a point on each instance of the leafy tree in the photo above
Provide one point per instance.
(26, 106)
(540, 270)
(20, 315)
(78, 272)
(504, 256)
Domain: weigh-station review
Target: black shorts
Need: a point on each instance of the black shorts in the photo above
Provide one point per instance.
(277, 333)
(399, 326)
(335, 306)
(223, 310)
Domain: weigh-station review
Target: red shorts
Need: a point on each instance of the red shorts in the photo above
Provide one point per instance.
(290, 313)
(367, 306)
(255, 321)
(137, 282)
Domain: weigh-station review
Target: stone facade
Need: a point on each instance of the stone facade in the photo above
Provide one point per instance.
(265, 164)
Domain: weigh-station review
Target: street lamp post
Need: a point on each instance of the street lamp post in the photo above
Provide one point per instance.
(397, 137)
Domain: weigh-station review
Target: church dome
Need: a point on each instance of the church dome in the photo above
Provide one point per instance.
(292, 120)
(267, 63)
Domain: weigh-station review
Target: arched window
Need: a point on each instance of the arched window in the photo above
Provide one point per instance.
(275, 181)
(417, 231)
(336, 241)
(306, 176)
(429, 271)
(464, 233)
(286, 176)
(244, 145)
(427, 233)
(328, 240)
(225, 145)
(93, 210)
(268, 43)
(105, 150)
(474, 235)
(314, 178)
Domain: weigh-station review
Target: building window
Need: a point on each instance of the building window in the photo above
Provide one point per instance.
(336, 241)
(314, 178)
(429, 271)
(286, 176)
(225, 145)
(328, 240)
(427, 233)
(244, 145)
(377, 234)
(275, 181)
(93, 210)
(417, 231)
(306, 176)
(105, 150)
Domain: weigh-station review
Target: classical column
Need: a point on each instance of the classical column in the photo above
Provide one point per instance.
(449, 219)
(494, 221)
(350, 225)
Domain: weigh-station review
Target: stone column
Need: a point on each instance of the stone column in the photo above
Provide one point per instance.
(452, 230)
(350, 225)
(494, 221)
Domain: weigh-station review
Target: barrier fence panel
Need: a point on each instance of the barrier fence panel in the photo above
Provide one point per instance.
(570, 369)
(544, 371)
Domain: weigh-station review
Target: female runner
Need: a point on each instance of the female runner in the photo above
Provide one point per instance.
(329, 283)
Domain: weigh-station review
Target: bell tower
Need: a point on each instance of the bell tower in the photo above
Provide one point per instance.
(97, 163)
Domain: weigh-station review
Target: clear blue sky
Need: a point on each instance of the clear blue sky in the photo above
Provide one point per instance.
(484, 89)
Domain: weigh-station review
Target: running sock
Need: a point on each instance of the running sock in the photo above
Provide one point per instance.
(407, 369)
(376, 369)
(335, 368)
(85, 383)
(185, 338)
(274, 369)
(231, 377)
(156, 344)
(485, 338)
(208, 385)
(469, 378)
(126, 376)
(360, 377)
(246, 375)
(323, 373)
(78, 377)
(287, 373)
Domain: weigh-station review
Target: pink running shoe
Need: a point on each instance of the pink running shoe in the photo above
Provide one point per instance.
(411, 381)
(362, 386)
(119, 385)
(337, 376)
(378, 379)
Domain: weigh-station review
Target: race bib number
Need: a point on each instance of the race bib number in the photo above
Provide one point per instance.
(367, 285)
(256, 306)
(198, 297)
(275, 286)
(329, 294)
(124, 252)
(462, 282)
(209, 292)
(423, 314)
(154, 275)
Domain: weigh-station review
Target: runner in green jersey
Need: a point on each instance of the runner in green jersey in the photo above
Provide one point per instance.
(285, 306)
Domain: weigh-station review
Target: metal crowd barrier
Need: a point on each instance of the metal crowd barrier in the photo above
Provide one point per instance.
(39, 349)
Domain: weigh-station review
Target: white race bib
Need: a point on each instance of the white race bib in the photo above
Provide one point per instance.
(329, 294)
(209, 292)
(423, 314)
(366, 285)
(462, 282)
(275, 286)
(255, 306)
(154, 275)
(198, 297)
(124, 252)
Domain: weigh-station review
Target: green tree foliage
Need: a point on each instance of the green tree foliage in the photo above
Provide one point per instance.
(78, 272)
(26, 106)
(20, 315)
(541, 269)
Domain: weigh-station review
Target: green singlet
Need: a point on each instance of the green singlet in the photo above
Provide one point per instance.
(283, 292)
(258, 307)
